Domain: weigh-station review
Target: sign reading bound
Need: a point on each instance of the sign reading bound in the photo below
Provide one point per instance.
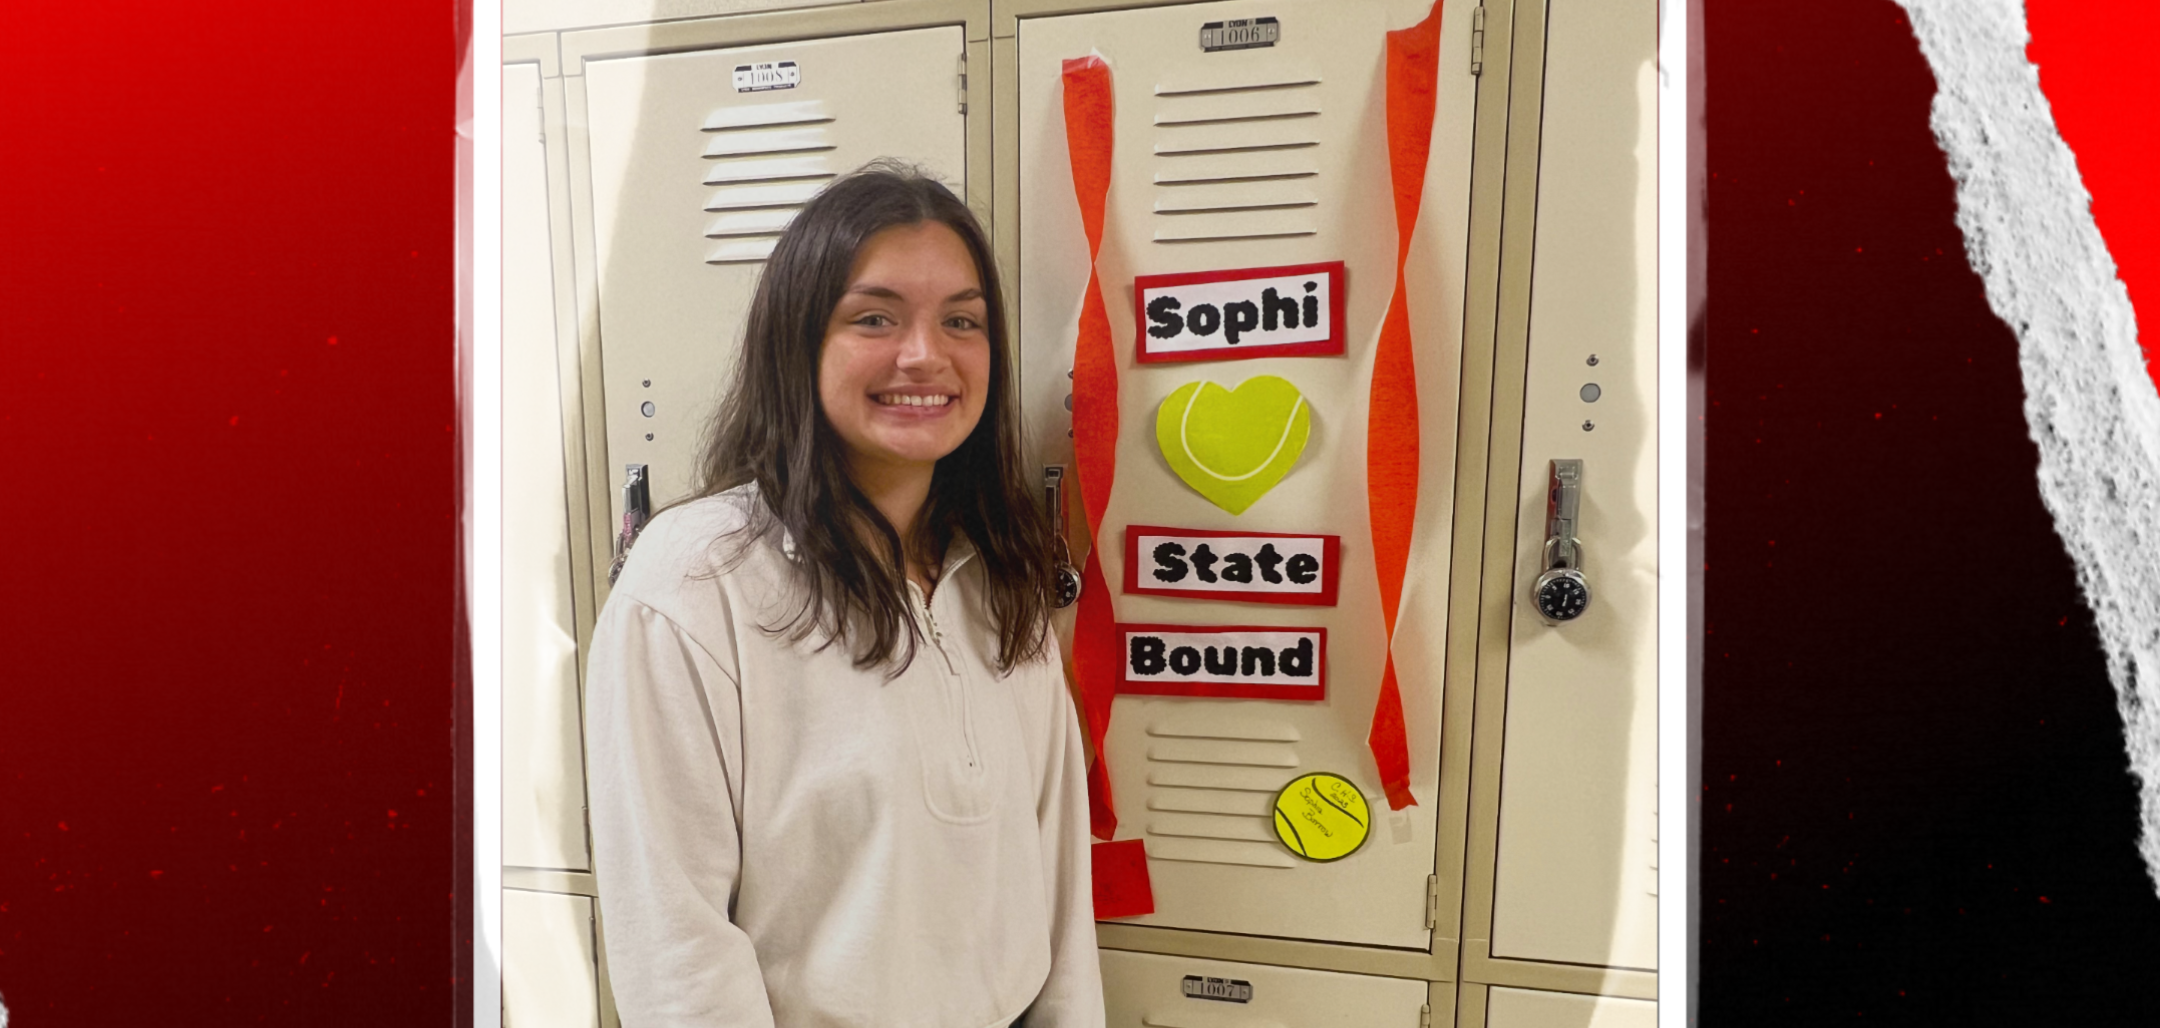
(764, 75)
(1234, 662)
(1239, 34)
(1257, 567)
(1293, 311)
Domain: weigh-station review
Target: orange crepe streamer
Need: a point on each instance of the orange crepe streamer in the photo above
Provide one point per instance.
(1096, 653)
(1391, 447)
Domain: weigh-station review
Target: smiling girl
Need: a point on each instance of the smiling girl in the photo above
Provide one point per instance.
(835, 775)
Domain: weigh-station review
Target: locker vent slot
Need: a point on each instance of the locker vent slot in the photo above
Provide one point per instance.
(764, 194)
(1223, 751)
(777, 169)
(1227, 827)
(742, 116)
(1186, 116)
(762, 222)
(742, 251)
(764, 142)
(1219, 851)
(1213, 801)
(1205, 730)
(1227, 779)
(1240, 80)
(1196, 1021)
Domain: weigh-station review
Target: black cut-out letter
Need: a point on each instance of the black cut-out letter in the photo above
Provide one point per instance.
(1203, 319)
(1297, 661)
(1273, 304)
(1203, 562)
(1303, 568)
(1146, 655)
(1239, 318)
(1261, 657)
(1162, 310)
(1237, 567)
(1168, 566)
(1269, 560)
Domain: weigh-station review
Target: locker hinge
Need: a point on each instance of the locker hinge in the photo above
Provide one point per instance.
(1477, 41)
(1424, 1016)
(1432, 901)
(963, 83)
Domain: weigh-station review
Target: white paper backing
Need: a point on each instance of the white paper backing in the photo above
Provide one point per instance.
(2030, 233)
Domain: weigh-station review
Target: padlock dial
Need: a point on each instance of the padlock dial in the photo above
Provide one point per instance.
(1562, 595)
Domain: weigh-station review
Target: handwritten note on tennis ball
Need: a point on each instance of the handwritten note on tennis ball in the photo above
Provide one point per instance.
(1322, 817)
(1233, 445)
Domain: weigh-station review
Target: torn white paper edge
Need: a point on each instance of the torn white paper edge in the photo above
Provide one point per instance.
(2091, 407)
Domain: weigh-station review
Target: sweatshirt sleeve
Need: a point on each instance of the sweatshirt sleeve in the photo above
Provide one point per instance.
(664, 763)
(1072, 996)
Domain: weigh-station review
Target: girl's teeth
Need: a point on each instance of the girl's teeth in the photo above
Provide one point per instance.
(915, 401)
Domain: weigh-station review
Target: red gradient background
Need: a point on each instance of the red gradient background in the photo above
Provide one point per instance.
(228, 414)
(1916, 802)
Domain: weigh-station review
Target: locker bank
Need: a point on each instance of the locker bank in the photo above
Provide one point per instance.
(1335, 330)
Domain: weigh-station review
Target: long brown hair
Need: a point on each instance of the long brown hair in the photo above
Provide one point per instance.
(771, 432)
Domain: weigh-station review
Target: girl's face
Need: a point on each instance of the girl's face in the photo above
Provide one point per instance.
(905, 368)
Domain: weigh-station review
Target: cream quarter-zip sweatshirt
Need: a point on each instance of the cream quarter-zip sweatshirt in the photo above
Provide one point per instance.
(783, 839)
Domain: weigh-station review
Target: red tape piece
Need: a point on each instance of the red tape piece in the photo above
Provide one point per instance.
(1122, 888)
(1089, 128)
(1391, 446)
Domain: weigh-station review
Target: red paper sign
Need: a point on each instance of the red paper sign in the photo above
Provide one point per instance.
(1291, 311)
(1122, 888)
(1253, 567)
(1253, 662)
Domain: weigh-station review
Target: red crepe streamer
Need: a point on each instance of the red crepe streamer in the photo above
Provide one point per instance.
(1096, 654)
(1391, 447)
(1122, 887)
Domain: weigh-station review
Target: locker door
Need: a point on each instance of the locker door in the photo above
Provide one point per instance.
(548, 961)
(1261, 157)
(696, 169)
(1529, 1008)
(1156, 991)
(543, 782)
(1576, 875)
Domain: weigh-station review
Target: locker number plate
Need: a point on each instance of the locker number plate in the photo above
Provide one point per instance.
(1239, 34)
(764, 75)
(1227, 990)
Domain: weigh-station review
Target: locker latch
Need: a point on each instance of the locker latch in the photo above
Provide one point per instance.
(1424, 1016)
(1477, 40)
(637, 508)
(1432, 901)
(1562, 592)
(963, 83)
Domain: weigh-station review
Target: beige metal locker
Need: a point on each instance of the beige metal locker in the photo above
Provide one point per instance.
(543, 764)
(548, 966)
(1261, 157)
(698, 161)
(1156, 991)
(1574, 855)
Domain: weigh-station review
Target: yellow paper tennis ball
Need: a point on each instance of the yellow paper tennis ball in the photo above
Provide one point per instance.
(1322, 817)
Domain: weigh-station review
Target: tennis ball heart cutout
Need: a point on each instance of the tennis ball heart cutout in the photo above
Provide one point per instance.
(1233, 445)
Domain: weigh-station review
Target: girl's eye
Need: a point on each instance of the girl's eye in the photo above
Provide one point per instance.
(874, 321)
(962, 322)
